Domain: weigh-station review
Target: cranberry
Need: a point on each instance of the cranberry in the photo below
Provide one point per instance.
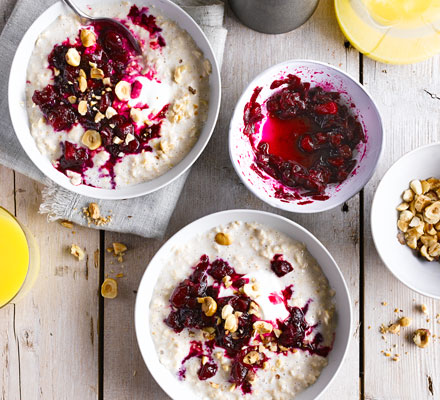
(207, 371)
(336, 161)
(124, 129)
(241, 303)
(238, 373)
(345, 151)
(279, 266)
(306, 144)
(327, 108)
(220, 269)
(61, 118)
(293, 331)
(46, 97)
(173, 321)
(336, 139)
(73, 156)
(180, 296)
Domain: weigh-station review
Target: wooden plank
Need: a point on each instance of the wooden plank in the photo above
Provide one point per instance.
(214, 186)
(411, 119)
(56, 323)
(9, 352)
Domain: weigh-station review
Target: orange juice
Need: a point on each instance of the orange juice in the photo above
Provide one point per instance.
(393, 31)
(14, 257)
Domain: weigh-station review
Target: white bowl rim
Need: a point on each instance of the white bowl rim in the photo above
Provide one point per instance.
(374, 204)
(249, 212)
(115, 194)
(287, 206)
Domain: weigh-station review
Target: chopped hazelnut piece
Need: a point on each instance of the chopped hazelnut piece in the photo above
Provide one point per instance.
(424, 309)
(231, 323)
(67, 224)
(227, 310)
(97, 73)
(251, 358)
(223, 239)
(77, 252)
(109, 288)
(88, 38)
(72, 99)
(178, 73)
(119, 248)
(209, 306)
(405, 321)
(82, 107)
(262, 327)
(82, 83)
(421, 337)
(94, 211)
(110, 112)
(73, 58)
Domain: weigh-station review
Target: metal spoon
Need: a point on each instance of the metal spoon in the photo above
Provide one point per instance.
(116, 25)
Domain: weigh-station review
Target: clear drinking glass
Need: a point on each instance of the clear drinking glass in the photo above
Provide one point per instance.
(19, 259)
(391, 31)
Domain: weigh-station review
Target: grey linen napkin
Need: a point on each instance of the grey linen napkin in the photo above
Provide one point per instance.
(145, 216)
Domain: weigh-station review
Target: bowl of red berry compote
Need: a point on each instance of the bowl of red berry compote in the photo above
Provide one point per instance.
(243, 304)
(103, 120)
(305, 136)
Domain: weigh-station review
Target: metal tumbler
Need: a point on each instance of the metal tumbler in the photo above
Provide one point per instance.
(273, 16)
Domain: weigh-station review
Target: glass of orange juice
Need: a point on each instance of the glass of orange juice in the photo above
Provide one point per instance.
(19, 259)
(391, 31)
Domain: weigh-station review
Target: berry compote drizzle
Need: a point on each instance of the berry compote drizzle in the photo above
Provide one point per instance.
(113, 55)
(186, 312)
(307, 139)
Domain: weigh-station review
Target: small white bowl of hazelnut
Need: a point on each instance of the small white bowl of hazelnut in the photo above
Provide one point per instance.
(405, 220)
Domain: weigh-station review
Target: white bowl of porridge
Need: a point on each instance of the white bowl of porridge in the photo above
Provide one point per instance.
(103, 121)
(243, 304)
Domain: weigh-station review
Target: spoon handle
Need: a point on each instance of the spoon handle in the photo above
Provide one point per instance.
(76, 10)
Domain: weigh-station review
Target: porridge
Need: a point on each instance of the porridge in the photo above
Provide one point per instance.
(105, 116)
(244, 311)
(302, 136)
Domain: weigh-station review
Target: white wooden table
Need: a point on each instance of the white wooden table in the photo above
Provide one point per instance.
(64, 341)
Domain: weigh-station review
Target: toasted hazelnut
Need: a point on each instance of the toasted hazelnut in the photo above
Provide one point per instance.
(394, 328)
(250, 290)
(82, 107)
(73, 58)
(402, 206)
(434, 250)
(421, 337)
(402, 225)
(231, 323)
(119, 248)
(223, 239)
(107, 81)
(405, 321)
(424, 253)
(227, 310)
(94, 211)
(411, 241)
(82, 83)
(426, 186)
(424, 309)
(421, 202)
(72, 99)
(209, 306)
(96, 73)
(99, 117)
(408, 195)
(178, 73)
(406, 216)
(110, 112)
(123, 90)
(252, 357)
(416, 186)
(262, 327)
(67, 224)
(77, 252)
(109, 288)
(428, 240)
(91, 139)
(432, 213)
(227, 281)
(88, 38)
(254, 309)
(136, 114)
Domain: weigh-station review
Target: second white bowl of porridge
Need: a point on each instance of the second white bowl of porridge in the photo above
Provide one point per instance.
(243, 304)
(101, 121)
